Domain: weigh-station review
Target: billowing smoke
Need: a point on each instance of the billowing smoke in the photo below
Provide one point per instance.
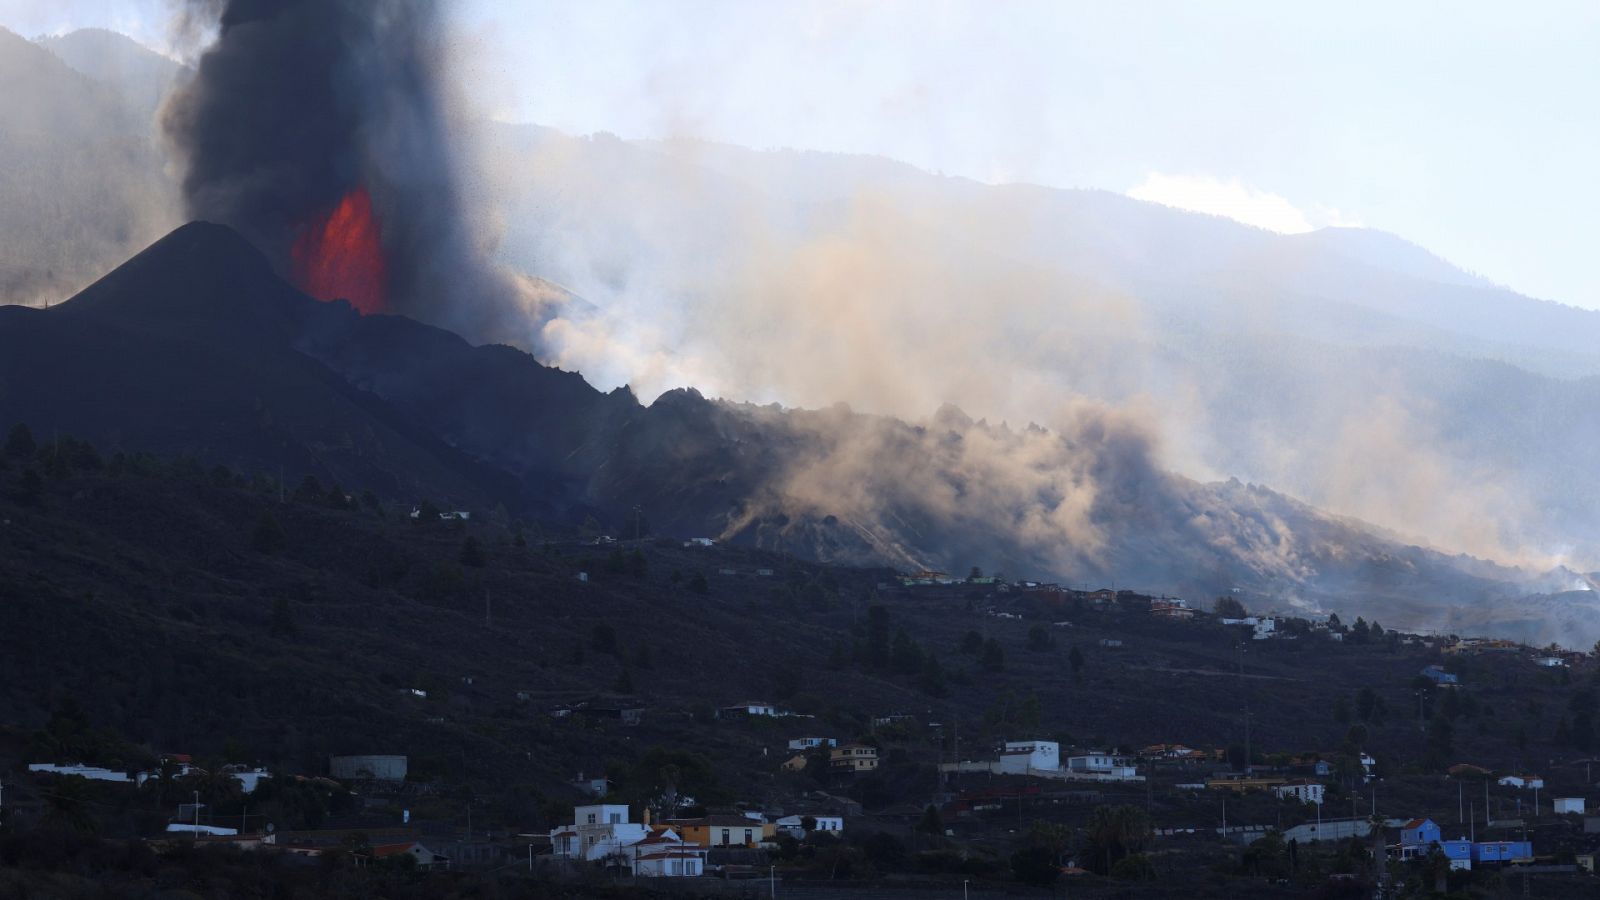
(323, 131)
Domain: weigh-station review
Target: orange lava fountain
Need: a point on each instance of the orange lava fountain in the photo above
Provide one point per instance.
(339, 255)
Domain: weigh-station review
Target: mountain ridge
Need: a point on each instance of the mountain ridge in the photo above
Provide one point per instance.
(413, 411)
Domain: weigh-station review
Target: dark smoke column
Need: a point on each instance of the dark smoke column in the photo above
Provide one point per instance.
(319, 130)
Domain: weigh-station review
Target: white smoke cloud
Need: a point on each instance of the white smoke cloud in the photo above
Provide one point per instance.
(1235, 200)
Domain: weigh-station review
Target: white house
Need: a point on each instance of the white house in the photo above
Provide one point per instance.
(597, 831)
(1102, 765)
(811, 743)
(750, 708)
(1569, 805)
(1252, 621)
(190, 828)
(1023, 757)
(250, 779)
(1304, 791)
(1265, 629)
(665, 855)
(1526, 782)
(792, 824)
(700, 542)
(1550, 662)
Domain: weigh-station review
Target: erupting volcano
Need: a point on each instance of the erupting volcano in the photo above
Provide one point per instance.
(339, 255)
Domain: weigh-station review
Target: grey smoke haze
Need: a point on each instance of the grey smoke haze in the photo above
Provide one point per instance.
(1350, 369)
(1353, 370)
(298, 102)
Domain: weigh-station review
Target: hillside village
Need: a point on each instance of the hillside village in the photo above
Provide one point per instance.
(865, 727)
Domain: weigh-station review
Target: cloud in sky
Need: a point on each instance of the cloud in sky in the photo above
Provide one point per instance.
(1235, 200)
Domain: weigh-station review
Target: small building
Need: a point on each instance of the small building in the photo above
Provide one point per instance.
(1439, 676)
(749, 708)
(1419, 838)
(1526, 782)
(1329, 830)
(1310, 765)
(810, 743)
(1264, 629)
(1550, 662)
(597, 831)
(1502, 851)
(1241, 784)
(1302, 790)
(1565, 805)
(853, 758)
(1023, 757)
(796, 763)
(426, 860)
(1102, 765)
(794, 826)
(723, 831)
(368, 767)
(92, 773)
(1110, 642)
(191, 828)
(593, 785)
(1172, 752)
(666, 855)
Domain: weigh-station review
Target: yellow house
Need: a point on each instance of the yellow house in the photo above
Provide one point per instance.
(795, 763)
(723, 831)
(854, 758)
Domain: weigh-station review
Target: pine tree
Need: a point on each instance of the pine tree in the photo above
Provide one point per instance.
(268, 536)
(994, 658)
(19, 442)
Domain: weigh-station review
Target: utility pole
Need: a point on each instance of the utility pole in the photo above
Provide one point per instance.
(196, 814)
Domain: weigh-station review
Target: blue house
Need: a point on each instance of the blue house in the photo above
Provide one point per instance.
(1502, 851)
(1438, 675)
(1419, 833)
(1419, 838)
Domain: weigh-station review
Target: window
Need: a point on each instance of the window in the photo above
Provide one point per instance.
(615, 818)
(591, 818)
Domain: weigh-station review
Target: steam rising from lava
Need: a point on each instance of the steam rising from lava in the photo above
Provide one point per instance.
(322, 131)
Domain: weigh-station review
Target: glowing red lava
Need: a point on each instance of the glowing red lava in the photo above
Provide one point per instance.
(339, 255)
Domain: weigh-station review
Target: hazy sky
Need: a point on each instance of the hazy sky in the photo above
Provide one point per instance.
(1469, 127)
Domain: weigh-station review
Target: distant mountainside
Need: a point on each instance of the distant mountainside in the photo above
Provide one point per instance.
(139, 74)
(196, 347)
(82, 179)
(1346, 367)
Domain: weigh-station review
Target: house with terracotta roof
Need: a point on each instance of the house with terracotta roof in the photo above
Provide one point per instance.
(723, 830)
(422, 857)
(666, 855)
